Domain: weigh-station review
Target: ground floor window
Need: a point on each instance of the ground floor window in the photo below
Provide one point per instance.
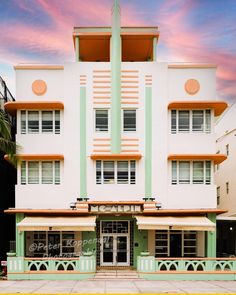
(51, 244)
(175, 243)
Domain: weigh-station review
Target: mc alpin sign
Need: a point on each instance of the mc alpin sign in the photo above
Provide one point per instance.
(116, 208)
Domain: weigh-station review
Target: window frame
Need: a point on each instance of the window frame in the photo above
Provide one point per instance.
(132, 173)
(25, 179)
(108, 120)
(123, 120)
(207, 121)
(175, 171)
(25, 130)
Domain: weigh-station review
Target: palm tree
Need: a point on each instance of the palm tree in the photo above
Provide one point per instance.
(7, 146)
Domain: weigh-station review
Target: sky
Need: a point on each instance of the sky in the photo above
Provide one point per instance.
(40, 31)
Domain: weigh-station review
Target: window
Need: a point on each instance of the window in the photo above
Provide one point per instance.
(111, 172)
(40, 121)
(184, 121)
(227, 187)
(218, 195)
(227, 149)
(33, 122)
(165, 243)
(129, 120)
(184, 172)
(45, 172)
(194, 172)
(101, 120)
(47, 122)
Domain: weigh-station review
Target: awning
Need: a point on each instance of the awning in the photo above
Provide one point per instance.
(86, 223)
(199, 223)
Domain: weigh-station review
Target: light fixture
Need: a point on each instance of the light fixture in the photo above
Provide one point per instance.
(158, 206)
(73, 205)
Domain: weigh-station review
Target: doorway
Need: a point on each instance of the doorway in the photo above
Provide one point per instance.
(54, 244)
(175, 244)
(115, 243)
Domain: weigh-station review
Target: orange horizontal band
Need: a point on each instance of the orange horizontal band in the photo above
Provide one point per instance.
(191, 66)
(116, 157)
(30, 157)
(12, 106)
(39, 67)
(217, 158)
(218, 106)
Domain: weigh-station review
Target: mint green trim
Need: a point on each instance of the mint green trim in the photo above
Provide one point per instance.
(20, 242)
(115, 52)
(77, 49)
(154, 49)
(83, 151)
(211, 238)
(148, 142)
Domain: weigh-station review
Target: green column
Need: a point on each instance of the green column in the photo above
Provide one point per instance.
(20, 241)
(148, 142)
(83, 164)
(211, 238)
(115, 52)
(154, 49)
(77, 49)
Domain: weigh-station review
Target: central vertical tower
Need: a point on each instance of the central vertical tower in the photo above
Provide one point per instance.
(115, 55)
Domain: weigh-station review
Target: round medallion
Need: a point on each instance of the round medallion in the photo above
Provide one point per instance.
(39, 87)
(192, 86)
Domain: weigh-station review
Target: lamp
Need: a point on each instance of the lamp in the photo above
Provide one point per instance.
(158, 206)
(73, 205)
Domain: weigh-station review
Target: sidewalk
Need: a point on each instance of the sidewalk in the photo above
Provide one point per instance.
(116, 286)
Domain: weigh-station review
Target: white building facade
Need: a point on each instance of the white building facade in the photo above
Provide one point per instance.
(117, 158)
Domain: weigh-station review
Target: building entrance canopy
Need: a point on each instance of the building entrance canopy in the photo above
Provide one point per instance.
(86, 223)
(197, 223)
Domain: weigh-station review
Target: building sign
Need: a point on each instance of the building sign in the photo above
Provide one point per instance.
(116, 208)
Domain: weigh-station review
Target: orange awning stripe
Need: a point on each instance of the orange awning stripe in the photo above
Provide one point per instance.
(217, 106)
(12, 106)
(217, 158)
(116, 156)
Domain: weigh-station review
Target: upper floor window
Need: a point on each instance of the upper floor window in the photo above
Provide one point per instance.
(218, 195)
(101, 120)
(184, 121)
(195, 172)
(40, 122)
(111, 172)
(129, 120)
(45, 172)
(227, 187)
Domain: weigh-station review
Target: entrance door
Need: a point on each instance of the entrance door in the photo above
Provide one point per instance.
(175, 245)
(53, 244)
(115, 243)
(115, 250)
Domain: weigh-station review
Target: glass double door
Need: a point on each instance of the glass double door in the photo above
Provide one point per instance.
(115, 250)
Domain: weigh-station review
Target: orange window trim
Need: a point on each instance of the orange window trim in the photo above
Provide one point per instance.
(217, 158)
(12, 106)
(31, 157)
(116, 157)
(217, 106)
